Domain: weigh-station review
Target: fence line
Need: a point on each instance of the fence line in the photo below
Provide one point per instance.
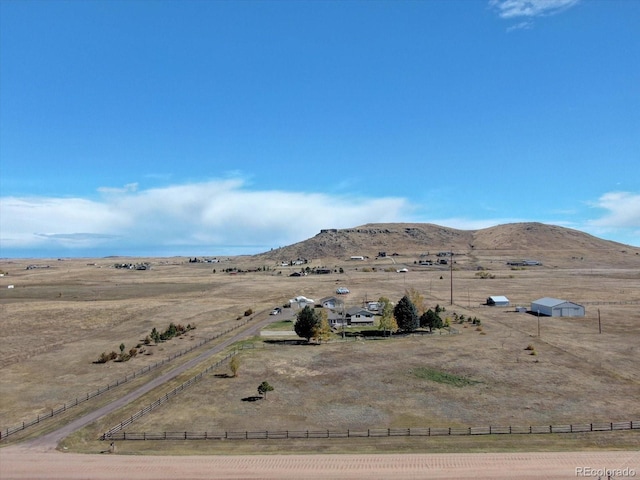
(128, 377)
(379, 432)
(165, 397)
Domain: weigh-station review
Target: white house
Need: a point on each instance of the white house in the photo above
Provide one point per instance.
(554, 307)
(359, 316)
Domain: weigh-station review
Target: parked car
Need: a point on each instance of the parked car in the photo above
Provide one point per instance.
(342, 290)
(276, 311)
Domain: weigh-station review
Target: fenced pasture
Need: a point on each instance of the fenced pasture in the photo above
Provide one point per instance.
(58, 320)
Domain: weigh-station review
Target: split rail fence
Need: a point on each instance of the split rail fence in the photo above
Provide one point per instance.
(378, 432)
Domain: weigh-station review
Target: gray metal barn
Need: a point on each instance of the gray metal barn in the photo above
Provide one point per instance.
(554, 307)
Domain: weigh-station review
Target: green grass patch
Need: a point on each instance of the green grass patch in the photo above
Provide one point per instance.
(280, 325)
(442, 377)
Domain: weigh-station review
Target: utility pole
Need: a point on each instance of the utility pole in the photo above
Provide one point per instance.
(451, 271)
(599, 324)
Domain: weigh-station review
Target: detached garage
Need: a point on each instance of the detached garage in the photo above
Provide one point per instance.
(498, 301)
(553, 307)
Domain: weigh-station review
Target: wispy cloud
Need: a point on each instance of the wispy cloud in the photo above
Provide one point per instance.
(530, 8)
(520, 26)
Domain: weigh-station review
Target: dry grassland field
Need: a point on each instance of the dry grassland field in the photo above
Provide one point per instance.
(58, 318)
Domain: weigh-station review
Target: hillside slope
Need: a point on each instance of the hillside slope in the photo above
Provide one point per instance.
(521, 240)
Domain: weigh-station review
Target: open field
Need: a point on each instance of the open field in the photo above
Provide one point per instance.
(57, 321)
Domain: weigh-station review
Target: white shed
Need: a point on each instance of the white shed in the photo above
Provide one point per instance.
(554, 307)
(498, 301)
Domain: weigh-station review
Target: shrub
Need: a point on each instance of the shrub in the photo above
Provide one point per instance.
(103, 358)
(248, 312)
(530, 347)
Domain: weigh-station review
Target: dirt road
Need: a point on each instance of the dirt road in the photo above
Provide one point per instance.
(20, 464)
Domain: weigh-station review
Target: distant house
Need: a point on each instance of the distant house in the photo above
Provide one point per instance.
(357, 316)
(373, 306)
(554, 307)
(498, 301)
(330, 302)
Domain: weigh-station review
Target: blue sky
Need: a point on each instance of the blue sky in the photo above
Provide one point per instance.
(231, 127)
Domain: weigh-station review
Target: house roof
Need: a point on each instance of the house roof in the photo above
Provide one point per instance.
(359, 311)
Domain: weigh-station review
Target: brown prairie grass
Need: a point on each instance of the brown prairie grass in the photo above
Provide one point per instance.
(57, 321)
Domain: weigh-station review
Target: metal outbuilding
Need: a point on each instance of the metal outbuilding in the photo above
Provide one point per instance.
(554, 307)
(498, 301)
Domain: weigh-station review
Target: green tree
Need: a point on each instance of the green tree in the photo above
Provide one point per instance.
(431, 319)
(306, 322)
(122, 348)
(234, 365)
(263, 388)
(155, 335)
(406, 315)
(387, 322)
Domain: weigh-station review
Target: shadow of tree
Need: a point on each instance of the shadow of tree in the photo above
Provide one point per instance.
(252, 399)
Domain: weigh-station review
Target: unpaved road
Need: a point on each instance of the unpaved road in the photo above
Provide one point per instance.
(19, 464)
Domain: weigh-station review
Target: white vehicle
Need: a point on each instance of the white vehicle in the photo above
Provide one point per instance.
(342, 290)
(403, 270)
(276, 311)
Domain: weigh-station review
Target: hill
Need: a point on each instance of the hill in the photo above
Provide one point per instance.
(415, 240)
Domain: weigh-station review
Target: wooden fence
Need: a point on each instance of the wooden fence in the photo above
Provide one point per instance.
(4, 433)
(379, 432)
(164, 398)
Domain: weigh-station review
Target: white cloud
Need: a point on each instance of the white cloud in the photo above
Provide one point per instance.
(520, 26)
(530, 8)
(622, 217)
(623, 210)
(202, 215)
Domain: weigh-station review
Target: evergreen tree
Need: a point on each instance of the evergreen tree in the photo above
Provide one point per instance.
(406, 315)
(431, 319)
(306, 322)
